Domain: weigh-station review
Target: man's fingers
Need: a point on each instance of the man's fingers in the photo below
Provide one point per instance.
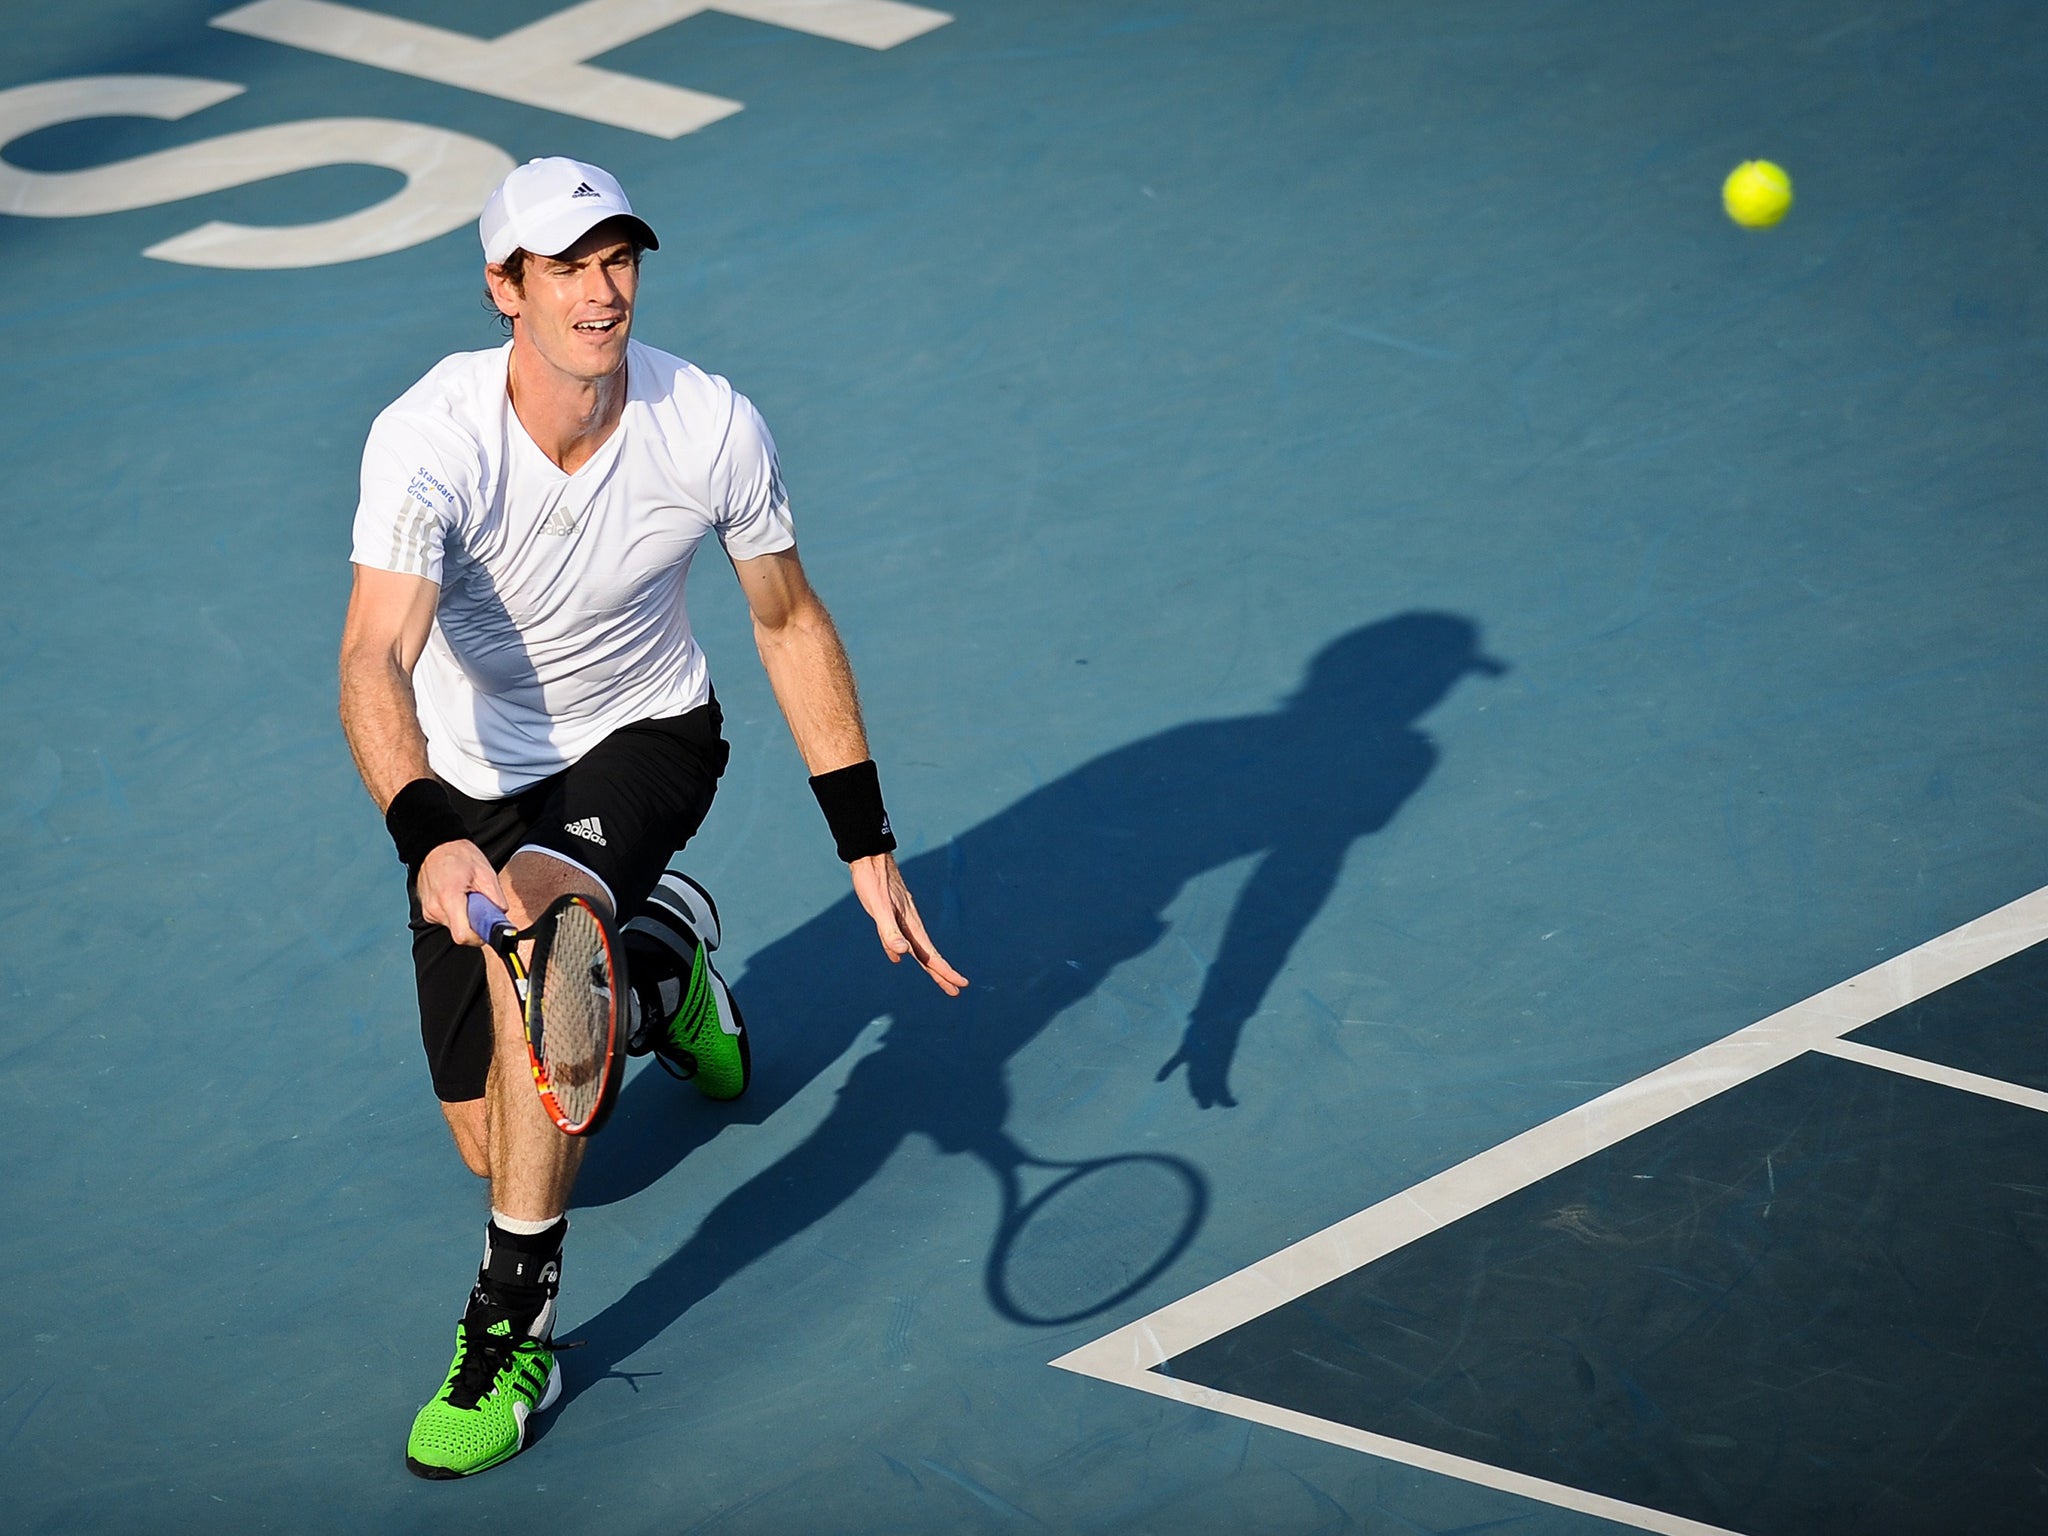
(879, 907)
(926, 952)
(483, 879)
(894, 945)
(879, 885)
(907, 937)
(949, 981)
(458, 925)
(446, 878)
(927, 955)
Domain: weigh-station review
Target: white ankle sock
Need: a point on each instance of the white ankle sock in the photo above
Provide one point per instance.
(513, 1224)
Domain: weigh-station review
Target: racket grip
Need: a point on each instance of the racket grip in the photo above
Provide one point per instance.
(486, 917)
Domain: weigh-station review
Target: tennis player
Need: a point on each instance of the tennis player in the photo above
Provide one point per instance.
(527, 706)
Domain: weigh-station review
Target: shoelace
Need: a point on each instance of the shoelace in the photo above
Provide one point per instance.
(484, 1355)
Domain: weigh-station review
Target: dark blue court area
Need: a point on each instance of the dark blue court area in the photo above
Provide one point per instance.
(1813, 1305)
(1383, 615)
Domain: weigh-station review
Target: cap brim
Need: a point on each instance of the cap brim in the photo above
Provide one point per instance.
(559, 234)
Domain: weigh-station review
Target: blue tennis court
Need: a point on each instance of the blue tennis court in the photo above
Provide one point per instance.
(1476, 727)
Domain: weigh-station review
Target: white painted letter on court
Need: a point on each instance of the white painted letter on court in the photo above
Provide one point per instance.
(544, 63)
(447, 175)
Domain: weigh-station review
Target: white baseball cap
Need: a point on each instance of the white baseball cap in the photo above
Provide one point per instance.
(547, 205)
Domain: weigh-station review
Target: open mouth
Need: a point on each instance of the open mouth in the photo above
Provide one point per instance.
(596, 327)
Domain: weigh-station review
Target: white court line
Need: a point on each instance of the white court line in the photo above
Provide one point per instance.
(1934, 1072)
(1429, 1460)
(1129, 1355)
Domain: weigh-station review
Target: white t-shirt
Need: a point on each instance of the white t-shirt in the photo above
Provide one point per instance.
(561, 612)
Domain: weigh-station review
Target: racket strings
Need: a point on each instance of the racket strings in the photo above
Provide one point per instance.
(578, 1012)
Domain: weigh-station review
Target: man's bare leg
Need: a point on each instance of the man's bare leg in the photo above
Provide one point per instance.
(532, 1165)
(504, 1367)
(469, 1122)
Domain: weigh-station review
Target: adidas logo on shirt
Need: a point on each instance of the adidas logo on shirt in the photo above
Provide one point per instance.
(588, 829)
(561, 521)
(584, 189)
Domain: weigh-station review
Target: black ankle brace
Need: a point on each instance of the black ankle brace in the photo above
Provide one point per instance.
(520, 1274)
(548, 1244)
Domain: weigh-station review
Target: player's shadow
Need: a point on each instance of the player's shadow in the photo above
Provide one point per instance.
(1038, 904)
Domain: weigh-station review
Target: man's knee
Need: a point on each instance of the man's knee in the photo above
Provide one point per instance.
(470, 1123)
(534, 879)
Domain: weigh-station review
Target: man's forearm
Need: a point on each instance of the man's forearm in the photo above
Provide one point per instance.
(813, 682)
(381, 721)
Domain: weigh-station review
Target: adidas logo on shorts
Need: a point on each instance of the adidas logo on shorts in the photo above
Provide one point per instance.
(588, 829)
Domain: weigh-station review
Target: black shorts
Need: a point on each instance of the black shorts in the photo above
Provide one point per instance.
(617, 813)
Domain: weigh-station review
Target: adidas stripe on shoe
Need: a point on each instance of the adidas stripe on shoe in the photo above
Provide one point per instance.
(478, 1418)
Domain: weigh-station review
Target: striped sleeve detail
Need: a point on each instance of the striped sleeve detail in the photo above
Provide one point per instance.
(414, 532)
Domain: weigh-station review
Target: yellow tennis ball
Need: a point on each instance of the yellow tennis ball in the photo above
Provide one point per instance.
(1756, 194)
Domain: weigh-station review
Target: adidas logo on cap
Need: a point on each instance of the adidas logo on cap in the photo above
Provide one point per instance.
(548, 204)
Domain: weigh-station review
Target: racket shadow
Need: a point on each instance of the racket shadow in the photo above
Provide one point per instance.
(1092, 1236)
(1039, 904)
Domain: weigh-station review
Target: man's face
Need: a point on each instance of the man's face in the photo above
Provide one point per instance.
(575, 310)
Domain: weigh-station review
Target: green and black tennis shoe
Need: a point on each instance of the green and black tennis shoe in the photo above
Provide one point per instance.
(501, 1377)
(687, 1015)
(504, 1370)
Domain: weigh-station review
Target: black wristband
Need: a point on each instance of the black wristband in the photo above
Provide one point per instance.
(420, 819)
(851, 799)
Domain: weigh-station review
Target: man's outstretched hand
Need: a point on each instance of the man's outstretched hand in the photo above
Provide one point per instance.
(879, 885)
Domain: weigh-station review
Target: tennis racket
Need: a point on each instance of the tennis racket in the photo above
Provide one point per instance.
(1096, 1235)
(571, 998)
